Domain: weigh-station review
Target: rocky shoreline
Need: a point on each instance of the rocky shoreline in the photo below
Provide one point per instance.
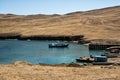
(76, 38)
(39, 37)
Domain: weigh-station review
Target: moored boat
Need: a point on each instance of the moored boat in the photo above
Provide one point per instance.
(52, 45)
(112, 52)
(111, 55)
(92, 59)
(85, 59)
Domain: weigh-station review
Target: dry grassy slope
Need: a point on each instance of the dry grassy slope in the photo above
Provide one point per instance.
(95, 24)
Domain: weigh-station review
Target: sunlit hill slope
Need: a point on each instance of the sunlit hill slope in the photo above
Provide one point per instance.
(95, 24)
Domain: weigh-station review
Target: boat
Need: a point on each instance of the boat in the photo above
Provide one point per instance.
(58, 45)
(100, 59)
(85, 59)
(112, 52)
(111, 55)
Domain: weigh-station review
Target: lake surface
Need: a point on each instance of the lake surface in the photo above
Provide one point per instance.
(38, 52)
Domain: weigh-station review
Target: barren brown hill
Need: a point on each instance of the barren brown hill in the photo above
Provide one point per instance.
(95, 24)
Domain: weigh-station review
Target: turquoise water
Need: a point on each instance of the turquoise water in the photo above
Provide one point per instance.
(39, 52)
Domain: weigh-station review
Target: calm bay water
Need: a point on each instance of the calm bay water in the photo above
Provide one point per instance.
(39, 52)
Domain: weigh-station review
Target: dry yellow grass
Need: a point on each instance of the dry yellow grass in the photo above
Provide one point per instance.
(24, 71)
(96, 24)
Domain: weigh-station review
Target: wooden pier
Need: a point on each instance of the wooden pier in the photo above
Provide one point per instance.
(101, 46)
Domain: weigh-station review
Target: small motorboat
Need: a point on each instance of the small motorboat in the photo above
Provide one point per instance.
(59, 45)
(85, 59)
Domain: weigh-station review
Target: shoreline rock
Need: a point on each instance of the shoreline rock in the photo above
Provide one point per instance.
(18, 36)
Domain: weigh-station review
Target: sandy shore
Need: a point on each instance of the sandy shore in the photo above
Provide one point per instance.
(27, 71)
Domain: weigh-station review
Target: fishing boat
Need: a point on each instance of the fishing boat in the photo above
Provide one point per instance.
(58, 45)
(85, 59)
